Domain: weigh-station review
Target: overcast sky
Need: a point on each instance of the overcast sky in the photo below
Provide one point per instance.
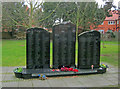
(115, 2)
(100, 2)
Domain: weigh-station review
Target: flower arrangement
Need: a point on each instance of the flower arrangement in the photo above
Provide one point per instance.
(42, 76)
(104, 66)
(19, 70)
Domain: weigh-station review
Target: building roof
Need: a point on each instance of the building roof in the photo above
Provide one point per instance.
(115, 15)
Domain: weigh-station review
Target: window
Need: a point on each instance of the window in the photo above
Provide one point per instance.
(111, 22)
(117, 22)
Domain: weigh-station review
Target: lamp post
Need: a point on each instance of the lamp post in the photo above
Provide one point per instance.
(116, 24)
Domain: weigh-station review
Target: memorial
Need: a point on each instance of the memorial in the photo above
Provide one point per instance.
(64, 44)
(38, 48)
(64, 38)
(89, 49)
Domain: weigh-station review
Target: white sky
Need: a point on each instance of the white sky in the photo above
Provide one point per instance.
(115, 2)
(100, 2)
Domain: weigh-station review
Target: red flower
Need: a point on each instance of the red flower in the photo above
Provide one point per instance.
(70, 69)
(66, 69)
(75, 70)
(62, 69)
(53, 70)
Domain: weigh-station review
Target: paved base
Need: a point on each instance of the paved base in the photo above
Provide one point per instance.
(107, 79)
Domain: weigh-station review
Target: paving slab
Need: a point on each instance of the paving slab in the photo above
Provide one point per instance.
(73, 82)
(6, 77)
(91, 82)
(58, 82)
(10, 84)
(40, 83)
(25, 83)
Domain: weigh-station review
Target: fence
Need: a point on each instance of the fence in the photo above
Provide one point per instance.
(6, 35)
(111, 36)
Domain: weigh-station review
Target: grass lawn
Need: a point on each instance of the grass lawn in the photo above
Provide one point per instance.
(14, 53)
(110, 53)
(110, 42)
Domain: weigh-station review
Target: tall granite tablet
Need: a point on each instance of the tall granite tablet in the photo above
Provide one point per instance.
(64, 44)
(38, 48)
(89, 49)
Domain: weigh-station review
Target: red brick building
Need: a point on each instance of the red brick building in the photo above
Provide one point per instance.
(110, 23)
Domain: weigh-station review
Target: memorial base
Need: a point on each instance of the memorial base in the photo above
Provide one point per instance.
(34, 73)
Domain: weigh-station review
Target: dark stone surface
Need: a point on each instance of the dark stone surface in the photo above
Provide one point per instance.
(34, 73)
(64, 44)
(38, 48)
(89, 49)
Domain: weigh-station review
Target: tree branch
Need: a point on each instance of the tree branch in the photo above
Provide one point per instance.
(17, 22)
(50, 13)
